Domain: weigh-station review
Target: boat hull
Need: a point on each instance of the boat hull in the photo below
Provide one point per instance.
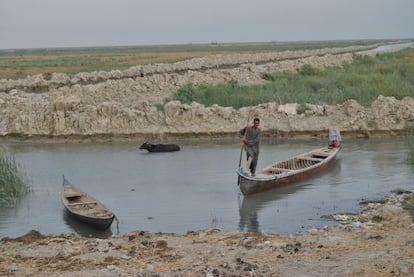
(97, 223)
(83, 207)
(250, 185)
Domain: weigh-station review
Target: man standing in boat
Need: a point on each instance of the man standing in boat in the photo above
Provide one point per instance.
(251, 139)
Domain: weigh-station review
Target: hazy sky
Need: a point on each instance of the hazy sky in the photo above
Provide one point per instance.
(67, 23)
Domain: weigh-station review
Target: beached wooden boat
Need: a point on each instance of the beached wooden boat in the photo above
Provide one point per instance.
(288, 171)
(85, 208)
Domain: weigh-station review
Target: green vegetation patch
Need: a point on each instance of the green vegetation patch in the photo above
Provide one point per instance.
(408, 202)
(13, 181)
(389, 74)
(225, 94)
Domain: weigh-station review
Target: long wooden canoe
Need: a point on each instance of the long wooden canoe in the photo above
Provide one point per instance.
(85, 208)
(287, 171)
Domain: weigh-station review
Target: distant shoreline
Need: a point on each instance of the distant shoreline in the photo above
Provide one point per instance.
(169, 47)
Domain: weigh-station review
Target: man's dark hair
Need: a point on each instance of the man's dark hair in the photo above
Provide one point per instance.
(256, 119)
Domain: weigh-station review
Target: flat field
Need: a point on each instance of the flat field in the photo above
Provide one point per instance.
(18, 63)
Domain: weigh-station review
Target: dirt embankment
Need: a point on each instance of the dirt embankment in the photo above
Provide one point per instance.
(119, 104)
(377, 242)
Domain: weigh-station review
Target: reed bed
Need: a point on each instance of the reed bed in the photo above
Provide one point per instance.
(13, 181)
(389, 74)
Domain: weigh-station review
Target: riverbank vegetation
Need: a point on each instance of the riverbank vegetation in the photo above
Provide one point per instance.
(13, 181)
(388, 74)
(18, 63)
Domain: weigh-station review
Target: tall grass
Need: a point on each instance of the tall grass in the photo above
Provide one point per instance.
(225, 94)
(390, 74)
(13, 181)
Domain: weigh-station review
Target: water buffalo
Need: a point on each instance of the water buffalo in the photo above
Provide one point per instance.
(160, 147)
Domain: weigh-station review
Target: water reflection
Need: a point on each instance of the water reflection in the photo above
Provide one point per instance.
(334, 169)
(252, 204)
(84, 229)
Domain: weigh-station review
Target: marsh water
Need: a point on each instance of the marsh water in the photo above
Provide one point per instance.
(196, 188)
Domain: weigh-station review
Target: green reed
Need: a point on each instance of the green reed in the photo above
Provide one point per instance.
(13, 181)
(389, 74)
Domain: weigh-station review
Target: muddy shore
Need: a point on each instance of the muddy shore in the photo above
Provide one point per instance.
(377, 242)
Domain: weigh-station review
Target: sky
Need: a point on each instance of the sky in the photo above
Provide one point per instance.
(84, 23)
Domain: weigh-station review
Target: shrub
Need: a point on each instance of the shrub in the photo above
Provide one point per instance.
(309, 70)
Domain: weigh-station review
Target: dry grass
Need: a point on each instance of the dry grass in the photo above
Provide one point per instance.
(31, 64)
(22, 62)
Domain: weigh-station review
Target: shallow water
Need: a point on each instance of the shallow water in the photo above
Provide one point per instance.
(393, 46)
(196, 188)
